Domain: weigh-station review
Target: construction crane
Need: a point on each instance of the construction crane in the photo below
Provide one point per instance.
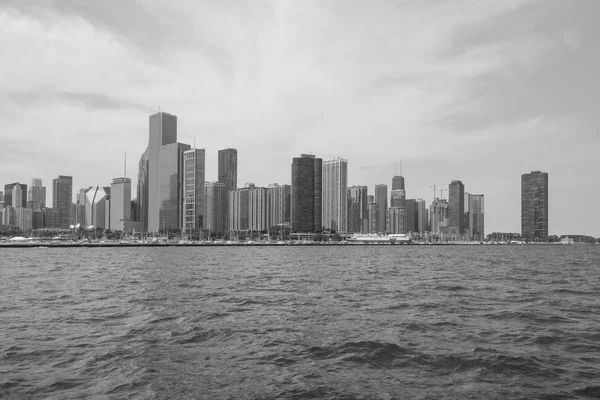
(442, 189)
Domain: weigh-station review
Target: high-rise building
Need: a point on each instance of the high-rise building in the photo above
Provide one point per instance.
(476, 217)
(439, 216)
(279, 204)
(62, 195)
(382, 205)
(534, 205)
(397, 220)
(214, 216)
(160, 178)
(398, 183)
(9, 216)
(248, 209)
(227, 174)
(97, 204)
(358, 210)
(307, 175)
(36, 196)
(335, 198)
(51, 219)
(120, 204)
(456, 208)
(17, 196)
(373, 210)
(193, 189)
(8, 195)
(24, 218)
(422, 216)
(412, 220)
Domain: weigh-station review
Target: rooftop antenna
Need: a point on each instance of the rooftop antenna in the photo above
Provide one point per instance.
(401, 167)
(125, 165)
(194, 142)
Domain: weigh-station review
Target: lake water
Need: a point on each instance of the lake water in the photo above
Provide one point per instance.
(332, 322)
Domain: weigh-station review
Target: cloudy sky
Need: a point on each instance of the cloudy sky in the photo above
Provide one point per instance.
(479, 91)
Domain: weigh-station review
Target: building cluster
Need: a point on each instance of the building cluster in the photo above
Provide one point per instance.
(174, 195)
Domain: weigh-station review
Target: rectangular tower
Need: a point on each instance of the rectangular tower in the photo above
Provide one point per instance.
(227, 174)
(306, 197)
(193, 189)
(36, 195)
(8, 195)
(456, 208)
(476, 216)
(120, 204)
(382, 205)
(358, 214)
(335, 198)
(214, 216)
(534, 205)
(62, 198)
(279, 202)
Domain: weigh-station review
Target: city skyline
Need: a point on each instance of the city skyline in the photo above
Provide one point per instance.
(479, 97)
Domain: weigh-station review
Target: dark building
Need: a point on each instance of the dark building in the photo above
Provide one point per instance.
(358, 211)
(307, 192)
(62, 195)
(8, 195)
(398, 183)
(227, 174)
(382, 204)
(534, 205)
(412, 216)
(456, 208)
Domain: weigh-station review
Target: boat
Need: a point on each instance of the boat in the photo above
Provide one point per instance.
(394, 238)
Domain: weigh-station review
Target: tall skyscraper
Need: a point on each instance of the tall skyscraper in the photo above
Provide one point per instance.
(62, 198)
(17, 196)
(8, 195)
(97, 210)
(398, 183)
(382, 205)
(227, 174)
(160, 178)
(279, 204)
(438, 219)
(120, 204)
(335, 198)
(307, 175)
(358, 211)
(214, 216)
(36, 196)
(248, 209)
(534, 205)
(397, 220)
(456, 208)
(476, 216)
(193, 189)
(422, 216)
(412, 221)
(373, 210)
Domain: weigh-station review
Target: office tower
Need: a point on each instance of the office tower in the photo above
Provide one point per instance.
(468, 232)
(62, 195)
(8, 195)
(396, 220)
(17, 196)
(412, 221)
(422, 216)
(193, 189)
(307, 175)
(534, 205)
(476, 216)
(258, 216)
(439, 216)
(456, 208)
(214, 216)
(398, 183)
(279, 204)
(370, 198)
(248, 209)
(382, 205)
(135, 211)
(227, 174)
(398, 198)
(36, 194)
(358, 210)
(373, 210)
(120, 204)
(96, 208)
(1, 196)
(51, 219)
(9, 216)
(37, 219)
(335, 198)
(24, 218)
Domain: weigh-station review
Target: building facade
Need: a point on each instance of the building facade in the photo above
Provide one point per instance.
(279, 204)
(36, 196)
(358, 210)
(456, 208)
(120, 204)
(8, 195)
(193, 189)
(422, 216)
(306, 196)
(397, 220)
(534, 205)
(476, 216)
(382, 204)
(227, 174)
(215, 219)
(335, 196)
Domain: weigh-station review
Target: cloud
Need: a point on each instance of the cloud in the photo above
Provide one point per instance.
(89, 100)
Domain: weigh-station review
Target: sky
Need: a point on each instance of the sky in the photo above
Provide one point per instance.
(477, 91)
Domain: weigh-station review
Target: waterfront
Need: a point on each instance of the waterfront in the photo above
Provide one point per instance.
(300, 322)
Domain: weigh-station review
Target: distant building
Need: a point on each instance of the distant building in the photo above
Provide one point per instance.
(307, 193)
(335, 198)
(397, 220)
(358, 210)
(382, 205)
(37, 219)
(9, 216)
(120, 204)
(456, 208)
(412, 222)
(439, 216)
(279, 204)
(62, 195)
(24, 218)
(51, 219)
(227, 174)
(8, 195)
(97, 209)
(422, 225)
(373, 210)
(216, 196)
(534, 205)
(193, 189)
(248, 209)
(476, 216)
(36, 196)
(398, 183)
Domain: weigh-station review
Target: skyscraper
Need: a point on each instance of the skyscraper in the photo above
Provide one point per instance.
(36, 197)
(476, 216)
(227, 174)
(358, 214)
(193, 189)
(120, 204)
(456, 208)
(422, 216)
(248, 209)
(335, 198)
(8, 195)
(214, 216)
(307, 175)
(534, 205)
(160, 177)
(279, 204)
(397, 220)
(398, 183)
(382, 205)
(17, 196)
(62, 198)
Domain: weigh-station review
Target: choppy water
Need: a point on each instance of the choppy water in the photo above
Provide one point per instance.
(355, 322)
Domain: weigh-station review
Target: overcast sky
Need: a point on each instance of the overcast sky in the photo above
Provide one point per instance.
(479, 91)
